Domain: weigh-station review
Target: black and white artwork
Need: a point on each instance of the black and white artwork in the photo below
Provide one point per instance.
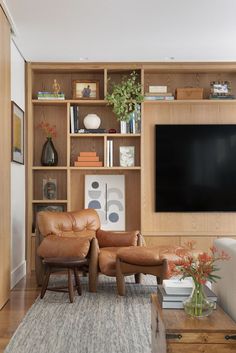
(106, 194)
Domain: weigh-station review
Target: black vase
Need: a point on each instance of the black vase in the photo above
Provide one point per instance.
(49, 155)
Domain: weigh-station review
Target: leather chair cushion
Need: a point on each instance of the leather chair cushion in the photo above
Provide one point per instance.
(54, 246)
(107, 260)
(58, 223)
(140, 255)
(113, 239)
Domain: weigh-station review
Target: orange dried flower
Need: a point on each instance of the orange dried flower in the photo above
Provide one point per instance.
(50, 130)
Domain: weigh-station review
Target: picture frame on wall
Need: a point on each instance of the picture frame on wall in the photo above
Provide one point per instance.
(85, 89)
(17, 134)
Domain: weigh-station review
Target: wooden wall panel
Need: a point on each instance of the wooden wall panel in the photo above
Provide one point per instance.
(185, 225)
(5, 153)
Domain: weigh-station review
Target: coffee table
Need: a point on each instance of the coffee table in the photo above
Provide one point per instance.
(72, 264)
(175, 332)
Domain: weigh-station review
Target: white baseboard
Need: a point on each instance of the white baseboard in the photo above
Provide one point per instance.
(18, 273)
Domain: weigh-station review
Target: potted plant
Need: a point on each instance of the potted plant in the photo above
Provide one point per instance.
(125, 98)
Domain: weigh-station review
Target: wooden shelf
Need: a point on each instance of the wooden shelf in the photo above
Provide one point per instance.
(106, 168)
(49, 168)
(70, 101)
(49, 201)
(196, 101)
(105, 135)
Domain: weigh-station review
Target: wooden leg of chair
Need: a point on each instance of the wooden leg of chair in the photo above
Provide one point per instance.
(45, 282)
(138, 277)
(70, 285)
(77, 281)
(120, 279)
(93, 266)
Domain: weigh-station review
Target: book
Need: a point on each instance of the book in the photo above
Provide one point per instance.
(111, 153)
(92, 131)
(88, 164)
(50, 96)
(180, 298)
(76, 117)
(72, 124)
(167, 94)
(159, 98)
(108, 154)
(176, 304)
(88, 159)
(88, 154)
(177, 286)
(157, 89)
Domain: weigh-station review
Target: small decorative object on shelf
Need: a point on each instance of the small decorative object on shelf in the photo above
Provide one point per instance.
(56, 94)
(49, 189)
(125, 98)
(157, 93)
(221, 90)
(201, 269)
(56, 87)
(189, 93)
(88, 159)
(127, 156)
(92, 121)
(49, 156)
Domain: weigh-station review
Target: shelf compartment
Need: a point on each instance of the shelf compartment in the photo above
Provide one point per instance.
(132, 186)
(46, 206)
(192, 79)
(126, 141)
(61, 185)
(54, 115)
(88, 144)
(116, 76)
(43, 81)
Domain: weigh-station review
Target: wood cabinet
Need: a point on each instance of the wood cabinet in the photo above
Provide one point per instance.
(158, 228)
(175, 332)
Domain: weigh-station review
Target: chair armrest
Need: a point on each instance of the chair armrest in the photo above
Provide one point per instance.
(117, 239)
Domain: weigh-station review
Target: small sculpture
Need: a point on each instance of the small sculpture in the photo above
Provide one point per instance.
(56, 87)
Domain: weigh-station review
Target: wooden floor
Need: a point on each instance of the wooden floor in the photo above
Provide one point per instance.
(22, 297)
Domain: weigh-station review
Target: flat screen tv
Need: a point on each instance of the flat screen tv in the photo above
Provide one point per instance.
(195, 168)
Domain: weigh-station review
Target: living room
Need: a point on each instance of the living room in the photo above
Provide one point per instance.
(60, 70)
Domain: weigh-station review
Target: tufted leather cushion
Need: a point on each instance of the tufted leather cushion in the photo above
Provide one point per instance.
(54, 246)
(140, 255)
(84, 222)
(116, 239)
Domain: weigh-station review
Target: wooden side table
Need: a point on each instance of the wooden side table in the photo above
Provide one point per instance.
(175, 332)
(72, 264)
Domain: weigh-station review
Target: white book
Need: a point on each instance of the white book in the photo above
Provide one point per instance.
(108, 153)
(111, 153)
(177, 286)
(72, 122)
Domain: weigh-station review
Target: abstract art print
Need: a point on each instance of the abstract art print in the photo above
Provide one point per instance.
(106, 194)
(17, 143)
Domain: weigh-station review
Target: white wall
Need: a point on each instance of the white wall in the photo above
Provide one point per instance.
(18, 263)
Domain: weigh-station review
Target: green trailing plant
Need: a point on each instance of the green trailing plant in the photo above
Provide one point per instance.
(125, 96)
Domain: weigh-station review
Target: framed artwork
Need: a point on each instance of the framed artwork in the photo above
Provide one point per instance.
(49, 189)
(85, 89)
(127, 156)
(106, 194)
(220, 88)
(17, 134)
(46, 207)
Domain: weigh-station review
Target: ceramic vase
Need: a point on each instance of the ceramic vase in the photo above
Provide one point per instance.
(49, 155)
(92, 121)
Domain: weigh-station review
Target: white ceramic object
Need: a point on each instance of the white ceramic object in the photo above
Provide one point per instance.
(92, 121)
(123, 127)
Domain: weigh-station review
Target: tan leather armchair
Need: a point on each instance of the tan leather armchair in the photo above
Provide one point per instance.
(67, 234)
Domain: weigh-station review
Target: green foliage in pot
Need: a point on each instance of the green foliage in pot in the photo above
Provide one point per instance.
(125, 96)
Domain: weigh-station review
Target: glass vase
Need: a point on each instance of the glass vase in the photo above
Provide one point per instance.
(198, 304)
(49, 155)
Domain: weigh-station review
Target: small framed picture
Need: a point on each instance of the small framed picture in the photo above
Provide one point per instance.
(85, 89)
(127, 156)
(17, 134)
(220, 88)
(49, 189)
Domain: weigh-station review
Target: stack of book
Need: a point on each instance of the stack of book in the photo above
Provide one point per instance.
(219, 96)
(50, 96)
(109, 150)
(74, 119)
(172, 296)
(157, 93)
(88, 159)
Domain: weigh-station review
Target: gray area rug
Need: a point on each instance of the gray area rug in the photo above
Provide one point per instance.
(101, 322)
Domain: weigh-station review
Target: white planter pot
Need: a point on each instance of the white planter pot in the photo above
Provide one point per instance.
(92, 121)
(123, 127)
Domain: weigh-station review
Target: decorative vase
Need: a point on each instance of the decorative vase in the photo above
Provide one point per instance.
(49, 155)
(123, 127)
(198, 305)
(92, 121)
